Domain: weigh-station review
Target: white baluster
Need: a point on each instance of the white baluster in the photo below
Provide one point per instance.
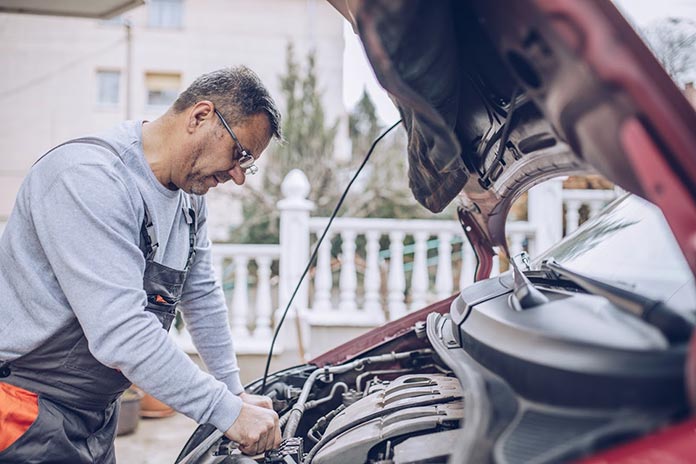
(263, 298)
(240, 297)
(516, 244)
(348, 280)
(468, 273)
(218, 262)
(443, 278)
(397, 281)
(595, 206)
(322, 277)
(545, 212)
(419, 276)
(572, 215)
(372, 277)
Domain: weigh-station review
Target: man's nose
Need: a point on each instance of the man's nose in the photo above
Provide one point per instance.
(237, 175)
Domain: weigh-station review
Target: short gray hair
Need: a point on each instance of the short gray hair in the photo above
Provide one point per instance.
(238, 94)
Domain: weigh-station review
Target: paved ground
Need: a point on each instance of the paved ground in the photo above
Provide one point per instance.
(155, 441)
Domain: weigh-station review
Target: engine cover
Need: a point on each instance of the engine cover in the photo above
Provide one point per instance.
(401, 416)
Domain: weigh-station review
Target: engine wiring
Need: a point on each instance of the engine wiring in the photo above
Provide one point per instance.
(313, 257)
(300, 405)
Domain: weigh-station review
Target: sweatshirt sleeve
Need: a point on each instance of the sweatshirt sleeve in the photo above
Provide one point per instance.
(205, 312)
(88, 223)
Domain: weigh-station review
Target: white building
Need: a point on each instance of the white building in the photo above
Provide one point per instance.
(68, 77)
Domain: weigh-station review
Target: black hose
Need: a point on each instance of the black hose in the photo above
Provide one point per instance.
(316, 249)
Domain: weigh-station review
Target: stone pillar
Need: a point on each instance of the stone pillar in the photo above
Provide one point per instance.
(294, 253)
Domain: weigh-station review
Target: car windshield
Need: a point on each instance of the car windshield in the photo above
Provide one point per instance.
(629, 244)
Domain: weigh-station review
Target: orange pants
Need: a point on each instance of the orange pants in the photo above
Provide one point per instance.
(18, 410)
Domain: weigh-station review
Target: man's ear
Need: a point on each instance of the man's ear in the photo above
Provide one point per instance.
(200, 113)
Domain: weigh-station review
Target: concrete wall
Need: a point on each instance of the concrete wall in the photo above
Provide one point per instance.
(48, 82)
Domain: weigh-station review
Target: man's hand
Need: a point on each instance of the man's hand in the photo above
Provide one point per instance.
(256, 400)
(256, 429)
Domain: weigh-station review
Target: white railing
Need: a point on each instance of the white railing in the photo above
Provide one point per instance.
(368, 270)
(384, 293)
(253, 296)
(575, 200)
(367, 307)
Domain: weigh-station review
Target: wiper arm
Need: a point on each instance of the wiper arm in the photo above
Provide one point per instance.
(525, 294)
(674, 326)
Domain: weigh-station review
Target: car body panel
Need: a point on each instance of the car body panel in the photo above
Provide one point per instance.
(568, 85)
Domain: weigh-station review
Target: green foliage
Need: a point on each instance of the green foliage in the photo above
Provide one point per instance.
(363, 124)
(673, 41)
(384, 191)
(381, 189)
(309, 146)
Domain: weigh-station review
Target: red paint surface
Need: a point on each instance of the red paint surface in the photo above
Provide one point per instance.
(666, 190)
(380, 334)
(673, 445)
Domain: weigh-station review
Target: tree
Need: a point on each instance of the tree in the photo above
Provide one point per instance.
(363, 124)
(673, 41)
(384, 192)
(308, 146)
(380, 191)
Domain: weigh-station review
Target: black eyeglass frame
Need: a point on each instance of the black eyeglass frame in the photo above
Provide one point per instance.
(246, 161)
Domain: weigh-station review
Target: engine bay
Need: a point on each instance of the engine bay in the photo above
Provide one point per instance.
(434, 394)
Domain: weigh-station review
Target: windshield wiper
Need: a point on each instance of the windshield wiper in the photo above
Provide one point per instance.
(674, 326)
(525, 294)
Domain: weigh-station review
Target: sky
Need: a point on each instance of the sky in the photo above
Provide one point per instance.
(358, 74)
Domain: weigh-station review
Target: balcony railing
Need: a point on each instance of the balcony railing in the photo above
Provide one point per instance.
(367, 270)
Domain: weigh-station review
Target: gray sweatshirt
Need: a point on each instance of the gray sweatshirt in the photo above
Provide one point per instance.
(70, 251)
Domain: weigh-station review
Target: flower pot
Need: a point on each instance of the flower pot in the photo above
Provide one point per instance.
(151, 407)
(129, 413)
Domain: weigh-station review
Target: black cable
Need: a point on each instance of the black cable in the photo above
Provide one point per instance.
(505, 134)
(316, 249)
(375, 415)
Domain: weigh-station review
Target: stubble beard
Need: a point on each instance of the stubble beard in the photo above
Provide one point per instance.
(195, 181)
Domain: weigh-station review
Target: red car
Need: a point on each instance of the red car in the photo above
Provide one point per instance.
(583, 353)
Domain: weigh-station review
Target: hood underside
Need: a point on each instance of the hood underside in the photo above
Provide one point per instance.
(498, 96)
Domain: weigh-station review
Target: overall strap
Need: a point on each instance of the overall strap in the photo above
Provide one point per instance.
(88, 140)
(148, 237)
(190, 216)
(149, 243)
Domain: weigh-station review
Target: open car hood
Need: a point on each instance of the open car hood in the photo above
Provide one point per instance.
(497, 96)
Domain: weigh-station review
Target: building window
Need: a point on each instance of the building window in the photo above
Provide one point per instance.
(162, 88)
(165, 14)
(108, 87)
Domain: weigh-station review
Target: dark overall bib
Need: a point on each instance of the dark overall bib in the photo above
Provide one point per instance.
(77, 394)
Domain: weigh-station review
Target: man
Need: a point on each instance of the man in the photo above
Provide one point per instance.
(107, 238)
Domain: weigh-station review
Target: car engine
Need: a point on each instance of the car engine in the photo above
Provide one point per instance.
(474, 382)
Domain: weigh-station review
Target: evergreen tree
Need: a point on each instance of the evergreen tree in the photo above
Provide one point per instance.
(308, 146)
(384, 190)
(673, 41)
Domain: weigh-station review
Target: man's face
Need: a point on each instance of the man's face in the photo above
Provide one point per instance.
(214, 160)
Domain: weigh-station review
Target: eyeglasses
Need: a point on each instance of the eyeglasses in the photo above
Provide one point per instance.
(246, 161)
